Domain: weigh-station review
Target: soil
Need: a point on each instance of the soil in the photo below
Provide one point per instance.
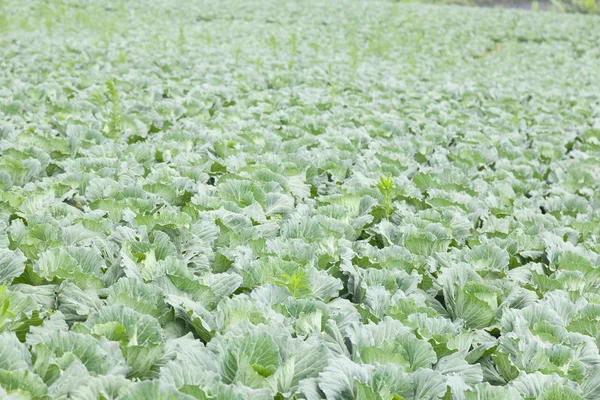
(522, 5)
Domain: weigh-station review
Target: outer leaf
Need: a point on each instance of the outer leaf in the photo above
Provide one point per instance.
(12, 264)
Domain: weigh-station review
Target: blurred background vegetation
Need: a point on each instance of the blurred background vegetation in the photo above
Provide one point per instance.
(583, 6)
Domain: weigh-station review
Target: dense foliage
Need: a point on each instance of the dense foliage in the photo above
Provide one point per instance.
(311, 200)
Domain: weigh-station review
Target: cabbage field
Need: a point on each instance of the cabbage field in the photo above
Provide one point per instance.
(316, 199)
